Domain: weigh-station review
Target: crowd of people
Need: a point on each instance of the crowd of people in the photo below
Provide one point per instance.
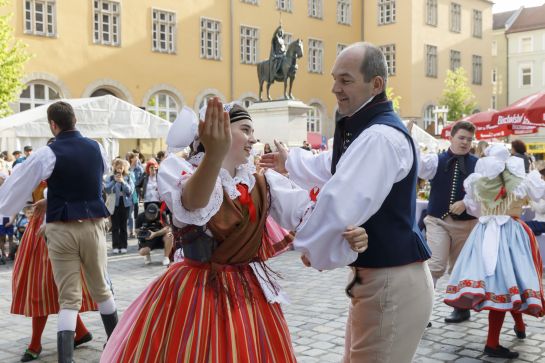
(219, 213)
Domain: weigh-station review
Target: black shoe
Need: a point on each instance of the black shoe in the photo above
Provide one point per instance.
(84, 339)
(109, 321)
(65, 346)
(500, 352)
(457, 316)
(429, 324)
(520, 334)
(30, 355)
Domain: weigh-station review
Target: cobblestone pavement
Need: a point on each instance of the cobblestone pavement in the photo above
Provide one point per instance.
(316, 318)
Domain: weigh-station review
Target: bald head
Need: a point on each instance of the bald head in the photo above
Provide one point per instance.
(373, 63)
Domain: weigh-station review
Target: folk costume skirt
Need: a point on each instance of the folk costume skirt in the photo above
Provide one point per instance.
(516, 282)
(33, 287)
(188, 316)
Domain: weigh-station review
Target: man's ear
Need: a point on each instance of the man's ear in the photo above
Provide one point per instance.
(378, 85)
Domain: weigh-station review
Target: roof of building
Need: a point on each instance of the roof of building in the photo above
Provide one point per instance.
(529, 19)
(501, 18)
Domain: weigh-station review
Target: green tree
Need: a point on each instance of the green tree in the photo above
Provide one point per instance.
(457, 95)
(12, 59)
(393, 97)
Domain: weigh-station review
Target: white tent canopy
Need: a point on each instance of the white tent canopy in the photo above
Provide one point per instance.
(106, 119)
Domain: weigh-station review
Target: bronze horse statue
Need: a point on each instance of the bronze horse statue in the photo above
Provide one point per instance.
(287, 70)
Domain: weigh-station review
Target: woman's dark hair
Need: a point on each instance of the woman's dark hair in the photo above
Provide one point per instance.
(519, 146)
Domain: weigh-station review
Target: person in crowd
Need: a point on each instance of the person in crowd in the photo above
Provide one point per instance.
(136, 173)
(148, 184)
(306, 146)
(160, 156)
(153, 232)
(518, 149)
(447, 223)
(220, 206)
(499, 268)
(16, 155)
(34, 292)
(267, 148)
(537, 224)
(7, 232)
(369, 179)
(121, 185)
(481, 147)
(27, 150)
(73, 166)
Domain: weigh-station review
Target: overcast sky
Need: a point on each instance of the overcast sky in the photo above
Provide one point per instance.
(506, 5)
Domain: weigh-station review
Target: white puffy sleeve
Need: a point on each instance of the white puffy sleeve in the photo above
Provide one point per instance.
(308, 170)
(289, 203)
(473, 207)
(427, 165)
(532, 186)
(173, 175)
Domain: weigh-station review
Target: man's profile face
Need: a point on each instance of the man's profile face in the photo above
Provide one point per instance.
(349, 85)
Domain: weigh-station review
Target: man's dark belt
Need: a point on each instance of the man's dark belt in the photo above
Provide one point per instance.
(195, 243)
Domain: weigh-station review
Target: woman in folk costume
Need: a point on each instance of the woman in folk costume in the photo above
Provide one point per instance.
(33, 287)
(220, 302)
(499, 268)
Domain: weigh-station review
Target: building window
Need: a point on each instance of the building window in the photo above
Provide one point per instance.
(106, 22)
(386, 12)
(344, 12)
(477, 23)
(248, 45)
(283, 5)
(455, 59)
(288, 37)
(526, 44)
(429, 116)
(477, 69)
(163, 31)
(315, 55)
(314, 118)
(389, 52)
(494, 75)
(315, 8)
(525, 75)
(210, 39)
(494, 48)
(248, 101)
(36, 94)
(431, 12)
(163, 105)
(40, 17)
(494, 103)
(253, 2)
(431, 61)
(340, 47)
(455, 17)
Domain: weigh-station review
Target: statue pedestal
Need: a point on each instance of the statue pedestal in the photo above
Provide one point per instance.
(284, 120)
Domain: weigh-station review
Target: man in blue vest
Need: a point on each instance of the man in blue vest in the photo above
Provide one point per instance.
(368, 180)
(75, 228)
(447, 223)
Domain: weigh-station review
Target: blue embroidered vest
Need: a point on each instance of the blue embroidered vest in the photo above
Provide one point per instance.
(394, 237)
(74, 189)
(447, 186)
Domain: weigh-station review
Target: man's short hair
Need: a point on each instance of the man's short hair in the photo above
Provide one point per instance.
(62, 114)
(374, 63)
(16, 152)
(462, 125)
(27, 148)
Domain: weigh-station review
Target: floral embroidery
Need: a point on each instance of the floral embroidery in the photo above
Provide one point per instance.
(490, 296)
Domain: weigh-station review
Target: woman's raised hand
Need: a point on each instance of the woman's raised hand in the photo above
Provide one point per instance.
(215, 130)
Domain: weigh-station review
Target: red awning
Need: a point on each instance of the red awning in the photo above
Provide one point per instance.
(527, 111)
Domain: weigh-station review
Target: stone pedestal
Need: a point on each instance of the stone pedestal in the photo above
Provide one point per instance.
(284, 120)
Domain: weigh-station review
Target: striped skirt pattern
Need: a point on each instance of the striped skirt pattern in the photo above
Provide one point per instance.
(33, 287)
(184, 316)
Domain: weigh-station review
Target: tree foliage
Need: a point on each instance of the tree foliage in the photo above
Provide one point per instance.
(457, 95)
(12, 59)
(393, 97)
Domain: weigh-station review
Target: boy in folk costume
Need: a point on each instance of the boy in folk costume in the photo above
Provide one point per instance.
(499, 268)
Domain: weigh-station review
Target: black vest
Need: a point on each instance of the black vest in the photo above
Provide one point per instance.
(447, 186)
(74, 189)
(394, 237)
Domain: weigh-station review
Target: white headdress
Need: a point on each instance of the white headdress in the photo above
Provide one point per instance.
(183, 131)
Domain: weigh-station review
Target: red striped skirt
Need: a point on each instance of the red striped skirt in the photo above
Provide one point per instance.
(180, 317)
(33, 287)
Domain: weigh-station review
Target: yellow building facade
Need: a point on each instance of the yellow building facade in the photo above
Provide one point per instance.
(165, 54)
